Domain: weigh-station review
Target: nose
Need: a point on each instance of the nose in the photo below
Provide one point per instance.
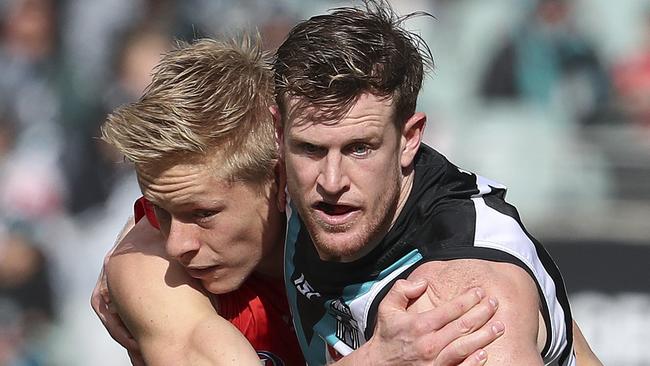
(332, 178)
(182, 241)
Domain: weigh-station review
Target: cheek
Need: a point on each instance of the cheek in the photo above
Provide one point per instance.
(371, 175)
(242, 235)
(377, 185)
(298, 180)
(302, 170)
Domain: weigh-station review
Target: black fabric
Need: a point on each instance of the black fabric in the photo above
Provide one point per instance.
(439, 222)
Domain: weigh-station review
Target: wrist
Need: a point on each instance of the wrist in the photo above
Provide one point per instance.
(361, 356)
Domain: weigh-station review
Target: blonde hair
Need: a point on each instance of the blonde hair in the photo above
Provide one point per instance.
(208, 102)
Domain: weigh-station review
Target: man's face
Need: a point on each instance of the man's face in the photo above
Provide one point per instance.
(348, 178)
(219, 231)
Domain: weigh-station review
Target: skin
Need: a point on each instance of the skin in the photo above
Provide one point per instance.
(213, 235)
(149, 274)
(219, 233)
(333, 170)
(153, 306)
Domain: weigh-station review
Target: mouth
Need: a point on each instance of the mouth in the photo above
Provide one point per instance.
(201, 272)
(336, 214)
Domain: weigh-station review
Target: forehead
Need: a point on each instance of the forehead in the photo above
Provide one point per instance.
(366, 108)
(181, 182)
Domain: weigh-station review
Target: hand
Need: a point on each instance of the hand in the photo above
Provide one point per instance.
(100, 301)
(451, 334)
(101, 304)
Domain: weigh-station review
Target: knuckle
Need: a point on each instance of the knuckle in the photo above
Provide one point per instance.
(465, 326)
(433, 321)
(487, 308)
(420, 327)
(399, 284)
(483, 314)
(461, 349)
(425, 325)
(381, 309)
(426, 350)
(460, 307)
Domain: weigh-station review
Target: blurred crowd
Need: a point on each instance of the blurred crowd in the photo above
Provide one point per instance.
(525, 91)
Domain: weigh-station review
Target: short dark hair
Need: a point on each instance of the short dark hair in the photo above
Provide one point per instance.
(328, 61)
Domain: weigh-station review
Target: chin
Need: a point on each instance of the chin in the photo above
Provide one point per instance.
(221, 286)
(339, 247)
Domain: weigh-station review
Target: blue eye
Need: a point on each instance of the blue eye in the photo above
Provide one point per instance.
(360, 150)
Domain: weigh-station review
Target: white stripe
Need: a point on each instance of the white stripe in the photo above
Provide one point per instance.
(502, 232)
(360, 307)
(485, 185)
(374, 291)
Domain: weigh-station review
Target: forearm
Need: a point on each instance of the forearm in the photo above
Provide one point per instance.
(166, 311)
(212, 341)
(584, 355)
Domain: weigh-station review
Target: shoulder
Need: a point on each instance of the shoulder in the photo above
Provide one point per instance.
(145, 285)
(139, 261)
(453, 277)
(170, 315)
(513, 287)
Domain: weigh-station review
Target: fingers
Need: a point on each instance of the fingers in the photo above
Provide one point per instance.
(119, 332)
(116, 328)
(472, 320)
(100, 299)
(460, 338)
(96, 299)
(101, 304)
(455, 330)
(100, 292)
(136, 358)
(401, 294)
(468, 348)
(448, 312)
(478, 358)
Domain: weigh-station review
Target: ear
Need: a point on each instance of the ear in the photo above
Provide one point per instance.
(277, 123)
(280, 174)
(281, 184)
(411, 138)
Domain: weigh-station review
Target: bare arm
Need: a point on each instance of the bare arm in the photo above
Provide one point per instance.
(172, 320)
(452, 334)
(101, 303)
(584, 355)
(518, 303)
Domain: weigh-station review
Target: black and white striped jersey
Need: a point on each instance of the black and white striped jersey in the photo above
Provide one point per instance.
(450, 214)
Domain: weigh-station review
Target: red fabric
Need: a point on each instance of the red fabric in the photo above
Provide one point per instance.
(259, 309)
(142, 208)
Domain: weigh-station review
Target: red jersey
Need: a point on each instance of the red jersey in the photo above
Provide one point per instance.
(259, 309)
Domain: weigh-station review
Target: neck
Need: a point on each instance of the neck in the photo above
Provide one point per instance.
(272, 263)
(405, 192)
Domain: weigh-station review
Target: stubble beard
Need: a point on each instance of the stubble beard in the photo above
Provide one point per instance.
(359, 243)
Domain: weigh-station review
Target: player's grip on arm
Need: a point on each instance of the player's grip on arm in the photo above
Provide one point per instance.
(451, 334)
(101, 304)
(100, 301)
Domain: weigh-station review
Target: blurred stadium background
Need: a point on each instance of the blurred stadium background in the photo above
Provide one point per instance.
(550, 97)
